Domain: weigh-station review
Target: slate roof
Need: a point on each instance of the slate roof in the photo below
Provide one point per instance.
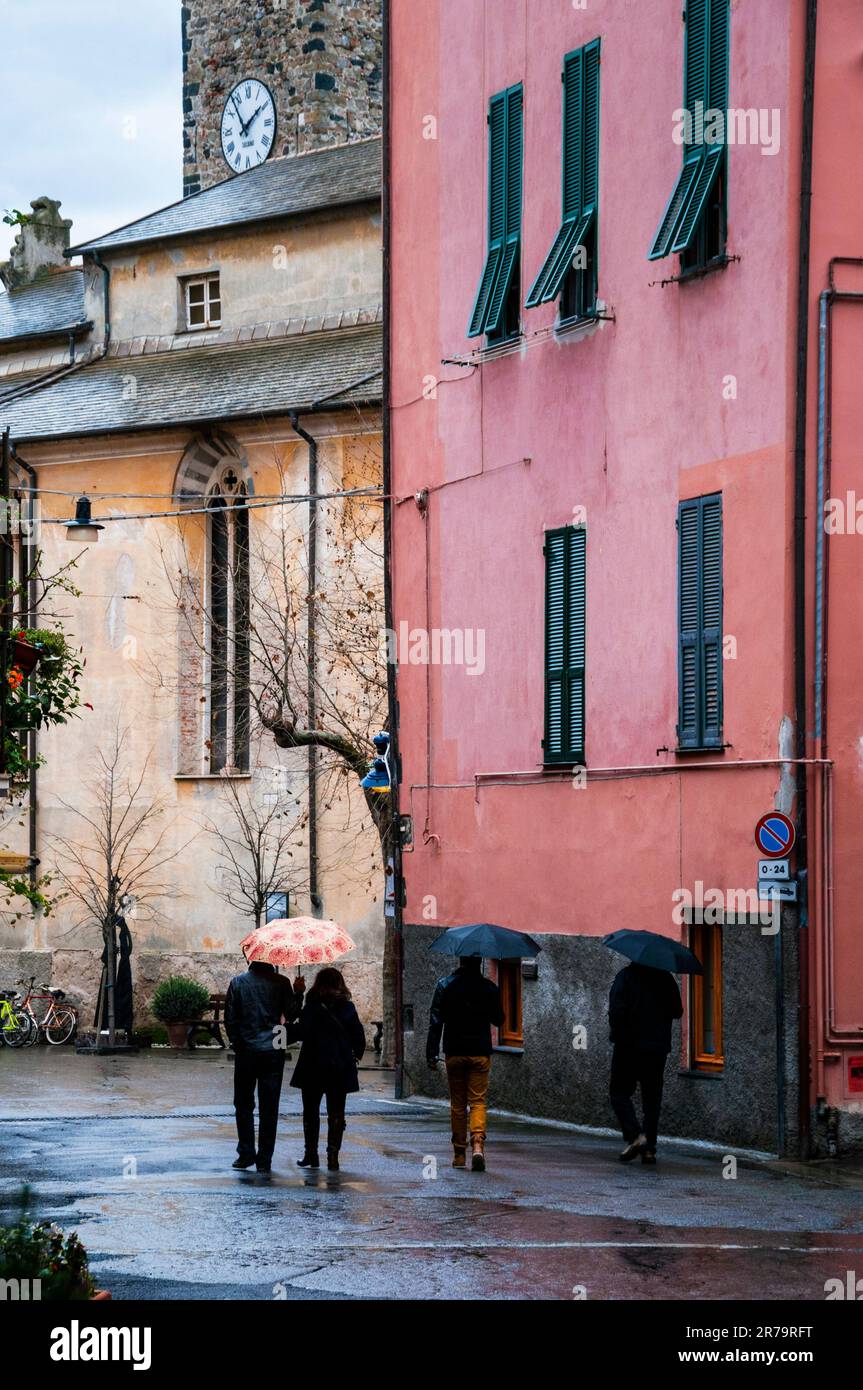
(331, 177)
(53, 304)
(203, 385)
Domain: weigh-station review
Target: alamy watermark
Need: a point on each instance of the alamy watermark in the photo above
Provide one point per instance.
(441, 646)
(736, 126)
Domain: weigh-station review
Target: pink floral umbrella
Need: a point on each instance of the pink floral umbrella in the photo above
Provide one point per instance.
(297, 941)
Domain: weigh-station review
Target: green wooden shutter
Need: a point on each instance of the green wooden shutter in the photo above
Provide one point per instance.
(705, 85)
(699, 527)
(496, 213)
(506, 150)
(695, 60)
(580, 170)
(573, 128)
(711, 618)
(717, 85)
(565, 620)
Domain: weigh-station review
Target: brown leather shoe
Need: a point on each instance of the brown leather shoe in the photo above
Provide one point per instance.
(477, 1161)
(459, 1157)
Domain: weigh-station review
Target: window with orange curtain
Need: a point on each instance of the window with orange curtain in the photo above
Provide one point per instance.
(708, 1052)
(511, 1031)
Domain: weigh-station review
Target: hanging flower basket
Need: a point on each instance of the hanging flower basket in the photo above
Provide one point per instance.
(25, 656)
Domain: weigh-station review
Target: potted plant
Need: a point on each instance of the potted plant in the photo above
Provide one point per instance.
(49, 1264)
(178, 1003)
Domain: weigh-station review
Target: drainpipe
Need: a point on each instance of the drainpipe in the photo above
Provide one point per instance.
(312, 694)
(28, 554)
(800, 682)
(389, 617)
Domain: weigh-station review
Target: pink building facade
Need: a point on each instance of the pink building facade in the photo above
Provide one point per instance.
(596, 456)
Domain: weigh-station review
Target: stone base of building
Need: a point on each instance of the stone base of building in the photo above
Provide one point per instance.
(551, 1077)
(78, 972)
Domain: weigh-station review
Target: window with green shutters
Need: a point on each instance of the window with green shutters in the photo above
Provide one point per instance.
(699, 527)
(693, 223)
(565, 617)
(496, 310)
(569, 269)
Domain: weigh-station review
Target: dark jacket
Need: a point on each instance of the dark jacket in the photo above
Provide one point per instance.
(641, 1008)
(464, 1007)
(254, 1006)
(333, 1041)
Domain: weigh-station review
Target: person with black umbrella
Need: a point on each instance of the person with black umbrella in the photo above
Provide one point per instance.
(643, 1003)
(465, 1007)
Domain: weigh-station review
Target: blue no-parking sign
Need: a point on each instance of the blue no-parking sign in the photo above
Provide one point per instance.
(775, 835)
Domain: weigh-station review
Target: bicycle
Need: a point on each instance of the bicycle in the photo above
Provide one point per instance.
(57, 1024)
(17, 1028)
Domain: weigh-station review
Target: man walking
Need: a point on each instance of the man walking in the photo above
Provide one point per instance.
(256, 1003)
(464, 1008)
(641, 1008)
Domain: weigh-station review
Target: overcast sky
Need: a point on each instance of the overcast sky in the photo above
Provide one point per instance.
(92, 99)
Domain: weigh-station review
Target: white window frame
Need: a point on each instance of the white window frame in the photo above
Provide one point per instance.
(210, 283)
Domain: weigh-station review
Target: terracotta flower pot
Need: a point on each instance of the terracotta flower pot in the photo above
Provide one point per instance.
(178, 1033)
(24, 655)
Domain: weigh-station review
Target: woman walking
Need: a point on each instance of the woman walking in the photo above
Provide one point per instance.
(333, 1041)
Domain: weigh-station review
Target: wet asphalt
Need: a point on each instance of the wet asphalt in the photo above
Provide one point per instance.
(135, 1154)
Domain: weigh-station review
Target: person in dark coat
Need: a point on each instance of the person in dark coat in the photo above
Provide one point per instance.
(465, 1007)
(256, 1004)
(333, 1041)
(641, 1009)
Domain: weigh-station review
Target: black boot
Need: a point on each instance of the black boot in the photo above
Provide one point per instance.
(311, 1132)
(335, 1130)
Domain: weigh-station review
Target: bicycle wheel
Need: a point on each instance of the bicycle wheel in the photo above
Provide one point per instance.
(62, 1026)
(19, 1029)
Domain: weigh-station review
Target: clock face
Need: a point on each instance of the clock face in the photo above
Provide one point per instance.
(248, 125)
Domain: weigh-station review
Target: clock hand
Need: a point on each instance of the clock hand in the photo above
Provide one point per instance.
(253, 117)
(239, 115)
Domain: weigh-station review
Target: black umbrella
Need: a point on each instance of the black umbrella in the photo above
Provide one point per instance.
(659, 952)
(484, 939)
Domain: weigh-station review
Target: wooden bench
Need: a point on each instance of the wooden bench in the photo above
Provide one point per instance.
(214, 1025)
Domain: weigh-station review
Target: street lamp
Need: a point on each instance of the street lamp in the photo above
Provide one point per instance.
(378, 779)
(83, 528)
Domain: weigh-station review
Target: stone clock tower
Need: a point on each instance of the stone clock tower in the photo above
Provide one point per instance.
(319, 61)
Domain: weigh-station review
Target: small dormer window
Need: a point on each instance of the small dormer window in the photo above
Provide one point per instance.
(203, 302)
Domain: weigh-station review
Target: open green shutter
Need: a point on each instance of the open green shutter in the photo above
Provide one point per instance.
(705, 87)
(565, 621)
(580, 171)
(590, 139)
(496, 213)
(717, 82)
(699, 526)
(573, 126)
(696, 47)
(506, 141)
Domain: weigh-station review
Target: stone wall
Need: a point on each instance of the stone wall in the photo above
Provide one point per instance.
(321, 59)
(551, 1078)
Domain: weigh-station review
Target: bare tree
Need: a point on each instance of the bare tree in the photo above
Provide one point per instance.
(119, 853)
(312, 646)
(256, 849)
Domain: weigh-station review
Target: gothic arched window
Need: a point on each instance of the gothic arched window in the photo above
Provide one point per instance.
(227, 609)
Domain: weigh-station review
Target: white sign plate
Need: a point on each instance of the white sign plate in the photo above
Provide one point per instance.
(768, 888)
(774, 868)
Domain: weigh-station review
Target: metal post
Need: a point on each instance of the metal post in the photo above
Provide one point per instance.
(5, 613)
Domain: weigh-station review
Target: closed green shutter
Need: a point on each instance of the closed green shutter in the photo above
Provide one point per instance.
(705, 87)
(580, 170)
(699, 525)
(505, 158)
(565, 624)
